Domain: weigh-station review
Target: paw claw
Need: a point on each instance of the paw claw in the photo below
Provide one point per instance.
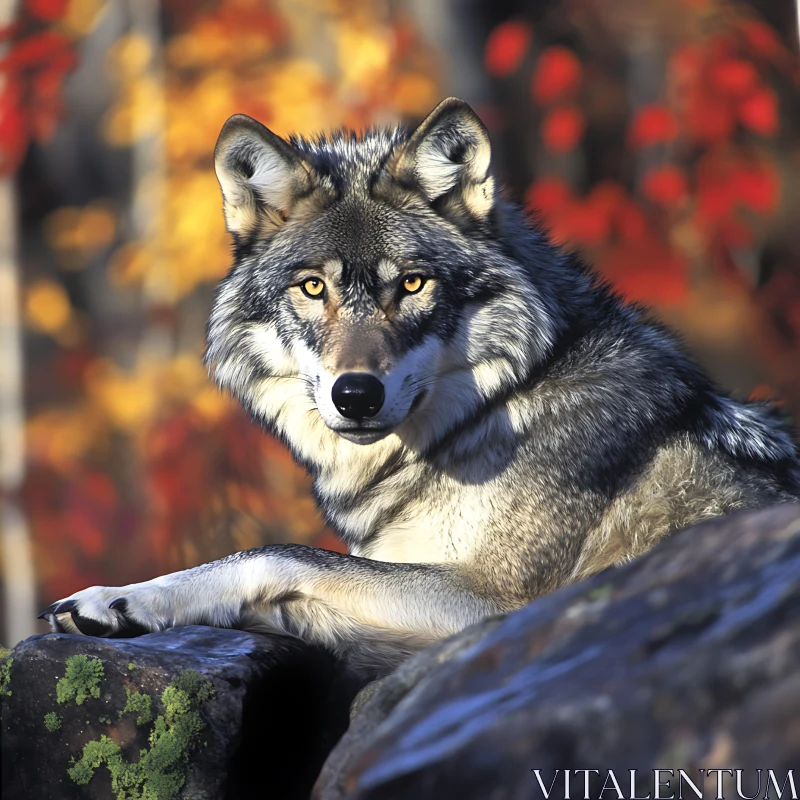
(47, 611)
(119, 604)
(66, 607)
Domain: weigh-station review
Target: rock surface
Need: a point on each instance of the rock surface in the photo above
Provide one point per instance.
(684, 659)
(278, 708)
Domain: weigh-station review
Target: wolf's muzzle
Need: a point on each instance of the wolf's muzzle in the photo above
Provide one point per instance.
(357, 395)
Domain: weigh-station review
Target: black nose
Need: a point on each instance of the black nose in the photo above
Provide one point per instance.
(357, 395)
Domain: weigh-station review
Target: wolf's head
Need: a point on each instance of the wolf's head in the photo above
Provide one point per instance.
(373, 290)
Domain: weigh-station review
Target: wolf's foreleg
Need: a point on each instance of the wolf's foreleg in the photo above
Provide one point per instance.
(370, 612)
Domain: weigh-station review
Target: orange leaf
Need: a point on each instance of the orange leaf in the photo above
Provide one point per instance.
(759, 112)
(562, 129)
(558, 72)
(329, 541)
(651, 125)
(664, 185)
(506, 47)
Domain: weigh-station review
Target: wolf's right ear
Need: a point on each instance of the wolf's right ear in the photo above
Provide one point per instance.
(261, 177)
(448, 157)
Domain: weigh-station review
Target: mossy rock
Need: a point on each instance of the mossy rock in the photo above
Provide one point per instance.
(188, 713)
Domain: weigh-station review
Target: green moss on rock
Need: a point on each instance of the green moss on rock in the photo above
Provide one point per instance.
(139, 704)
(52, 721)
(161, 769)
(5, 672)
(81, 680)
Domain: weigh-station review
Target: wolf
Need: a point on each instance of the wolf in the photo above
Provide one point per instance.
(484, 419)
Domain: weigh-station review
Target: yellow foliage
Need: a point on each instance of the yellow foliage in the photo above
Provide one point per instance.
(127, 401)
(207, 43)
(299, 97)
(76, 233)
(128, 264)
(211, 72)
(414, 94)
(212, 404)
(137, 114)
(47, 307)
(82, 16)
(60, 437)
(129, 57)
(131, 399)
(364, 53)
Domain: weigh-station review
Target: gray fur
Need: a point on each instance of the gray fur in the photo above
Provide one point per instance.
(536, 429)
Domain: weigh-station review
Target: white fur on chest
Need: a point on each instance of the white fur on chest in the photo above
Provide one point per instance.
(449, 529)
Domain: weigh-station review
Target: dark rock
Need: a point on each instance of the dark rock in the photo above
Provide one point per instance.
(278, 708)
(684, 659)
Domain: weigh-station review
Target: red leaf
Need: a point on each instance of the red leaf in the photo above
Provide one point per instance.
(759, 112)
(506, 47)
(732, 232)
(709, 119)
(35, 49)
(715, 195)
(48, 10)
(8, 32)
(647, 271)
(547, 195)
(761, 38)
(607, 197)
(763, 391)
(664, 185)
(757, 187)
(587, 224)
(734, 76)
(13, 132)
(651, 125)
(631, 222)
(686, 63)
(558, 72)
(562, 129)
(43, 121)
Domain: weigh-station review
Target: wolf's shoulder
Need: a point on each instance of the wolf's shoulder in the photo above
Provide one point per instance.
(625, 360)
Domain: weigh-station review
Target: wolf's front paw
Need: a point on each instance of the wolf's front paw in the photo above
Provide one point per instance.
(114, 611)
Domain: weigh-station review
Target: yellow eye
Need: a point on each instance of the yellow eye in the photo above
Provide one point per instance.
(313, 287)
(413, 283)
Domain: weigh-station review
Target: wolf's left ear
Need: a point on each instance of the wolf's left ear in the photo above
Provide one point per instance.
(261, 177)
(449, 157)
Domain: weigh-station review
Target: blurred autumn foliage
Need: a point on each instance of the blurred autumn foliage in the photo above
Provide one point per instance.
(660, 138)
(136, 464)
(667, 152)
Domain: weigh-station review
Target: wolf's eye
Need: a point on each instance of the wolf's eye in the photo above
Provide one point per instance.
(413, 283)
(313, 287)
